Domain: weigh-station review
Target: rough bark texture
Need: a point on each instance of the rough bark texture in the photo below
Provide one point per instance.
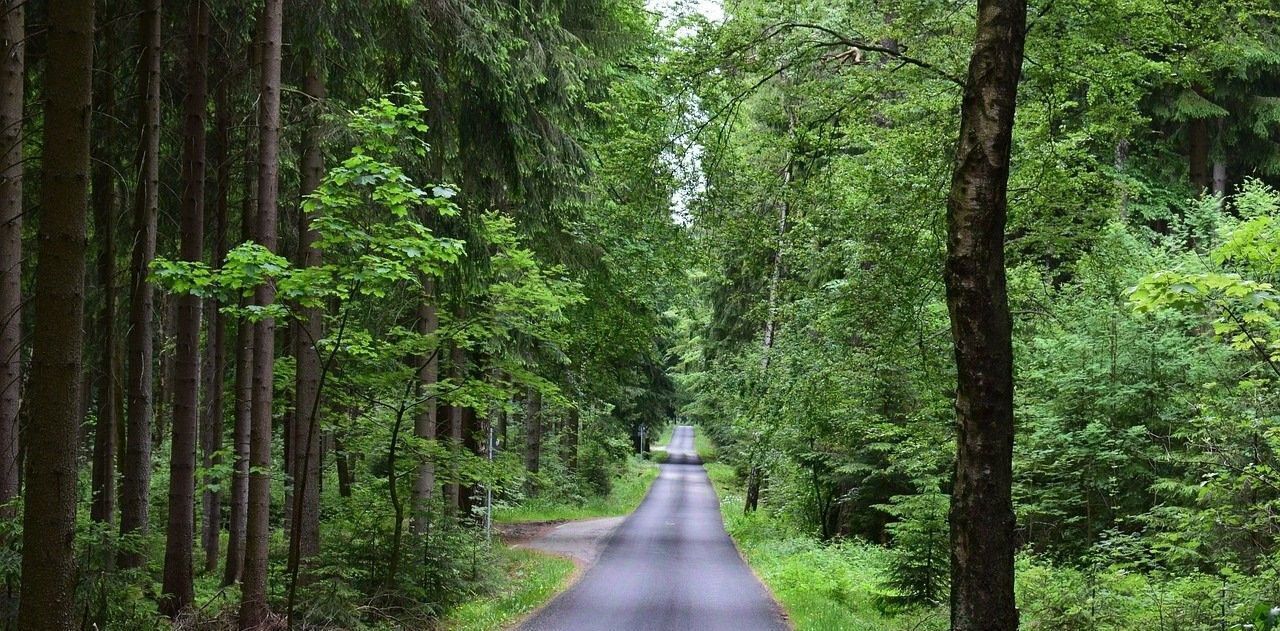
(344, 467)
(982, 520)
(49, 515)
(571, 440)
(306, 425)
(239, 497)
(178, 586)
(105, 445)
(11, 128)
(253, 604)
(136, 481)
(1198, 153)
(424, 426)
(532, 437)
(453, 490)
(216, 357)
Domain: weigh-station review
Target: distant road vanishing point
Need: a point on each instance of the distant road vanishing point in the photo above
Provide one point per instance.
(670, 565)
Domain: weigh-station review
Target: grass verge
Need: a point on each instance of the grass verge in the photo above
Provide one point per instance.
(530, 579)
(629, 489)
(820, 586)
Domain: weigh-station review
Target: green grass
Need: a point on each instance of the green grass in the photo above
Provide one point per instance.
(629, 490)
(820, 586)
(703, 446)
(531, 579)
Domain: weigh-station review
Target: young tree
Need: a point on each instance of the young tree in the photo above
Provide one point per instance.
(982, 520)
(211, 424)
(178, 591)
(12, 39)
(253, 602)
(136, 482)
(105, 440)
(49, 517)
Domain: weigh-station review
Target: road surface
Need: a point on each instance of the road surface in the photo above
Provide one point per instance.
(670, 565)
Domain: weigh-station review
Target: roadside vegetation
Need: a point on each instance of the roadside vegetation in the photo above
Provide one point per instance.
(522, 581)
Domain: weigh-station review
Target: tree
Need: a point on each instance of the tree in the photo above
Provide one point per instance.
(982, 522)
(12, 38)
(178, 589)
(253, 600)
(49, 505)
(136, 482)
(305, 536)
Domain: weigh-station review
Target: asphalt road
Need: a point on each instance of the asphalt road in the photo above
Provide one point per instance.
(670, 565)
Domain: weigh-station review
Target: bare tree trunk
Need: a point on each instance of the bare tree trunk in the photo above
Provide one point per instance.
(12, 25)
(178, 587)
(532, 439)
(306, 430)
(571, 439)
(243, 401)
(253, 603)
(239, 496)
(49, 513)
(344, 467)
(136, 483)
(424, 426)
(105, 446)
(212, 425)
(453, 490)
(982, 520)
(1198, 153)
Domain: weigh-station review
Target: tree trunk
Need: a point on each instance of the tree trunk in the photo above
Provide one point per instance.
(1198, 154)
(178, 587)
(12, 26)
(344, 467)
(243, 401)
(306, 428)
(571, 439)
(424, 426)
(239, 496)
(212, 425)
(49, 513)
(136, 483)
(453, 490)
(253, 603)
(103, 485)
(532, 439)
(982, 520)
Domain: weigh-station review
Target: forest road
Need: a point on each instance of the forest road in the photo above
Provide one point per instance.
(669, 566)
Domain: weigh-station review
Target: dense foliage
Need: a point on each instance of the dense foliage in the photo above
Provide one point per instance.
(1140, 253)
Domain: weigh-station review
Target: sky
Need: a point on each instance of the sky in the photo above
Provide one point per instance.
(690, 161)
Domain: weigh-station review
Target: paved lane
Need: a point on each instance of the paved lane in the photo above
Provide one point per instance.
(670, 566)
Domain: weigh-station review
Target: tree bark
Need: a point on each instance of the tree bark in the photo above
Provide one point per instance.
(424, 426)
(243, 400)
(453, 490)
(49, 513)
(306, 429)
(178, 585)
(136, 482)
(12, 25)
(571, 440)
(344, 467)
(253, 603)
(105, 445)
(982, 519)
(1198, 154)
(212, 425)
(532, 439)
